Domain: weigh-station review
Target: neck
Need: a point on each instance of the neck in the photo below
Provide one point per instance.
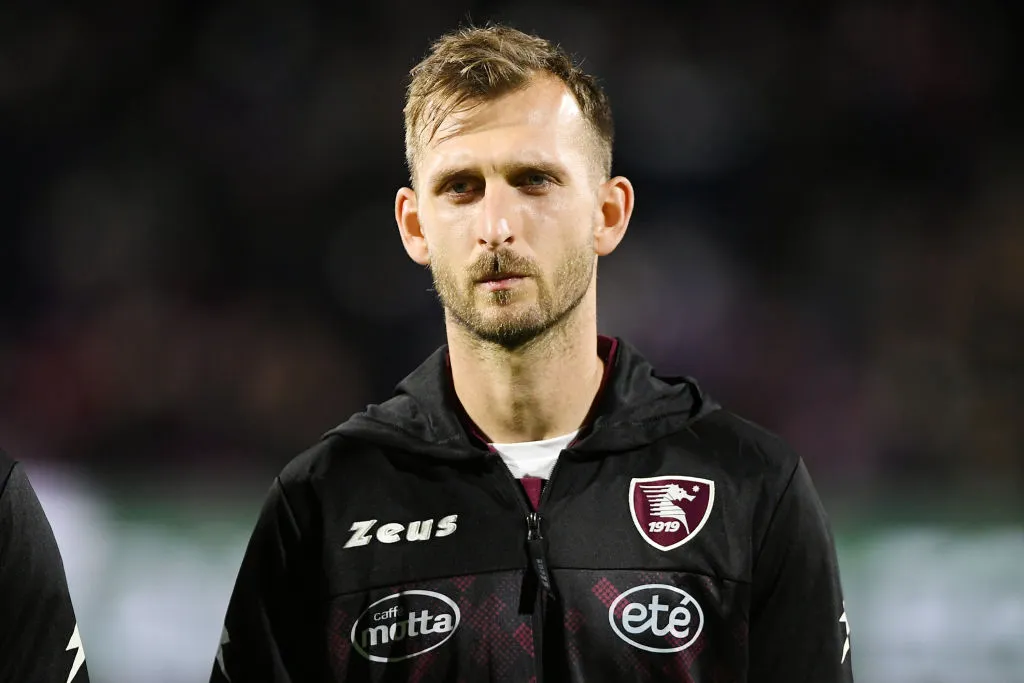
(540, 391)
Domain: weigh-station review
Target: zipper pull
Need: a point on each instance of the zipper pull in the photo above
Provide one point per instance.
(538, 553)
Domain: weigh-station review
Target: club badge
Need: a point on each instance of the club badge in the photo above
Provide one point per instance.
(669, 511)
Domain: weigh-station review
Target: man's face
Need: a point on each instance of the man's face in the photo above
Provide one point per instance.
(508, 203)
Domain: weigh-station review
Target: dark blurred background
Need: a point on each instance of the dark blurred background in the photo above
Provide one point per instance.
(201, 274)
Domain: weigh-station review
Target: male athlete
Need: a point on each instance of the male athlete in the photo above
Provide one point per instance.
(513, 512)
(39, 640)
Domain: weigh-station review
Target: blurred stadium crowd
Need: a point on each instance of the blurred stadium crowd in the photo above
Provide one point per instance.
(200, 265)
(201, 274)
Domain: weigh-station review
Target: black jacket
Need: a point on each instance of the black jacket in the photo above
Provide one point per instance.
(39, 639)
(673, 542)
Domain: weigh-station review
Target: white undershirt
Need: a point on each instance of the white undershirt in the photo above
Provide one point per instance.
(533, 458)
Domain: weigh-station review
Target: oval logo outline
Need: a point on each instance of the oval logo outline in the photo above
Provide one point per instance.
(653, 586)
(430, 594)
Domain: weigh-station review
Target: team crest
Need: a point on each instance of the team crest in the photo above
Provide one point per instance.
(669, 511)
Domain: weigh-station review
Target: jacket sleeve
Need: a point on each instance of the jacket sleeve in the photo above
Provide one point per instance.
(799, 632)
(39, 638)
(271, 631)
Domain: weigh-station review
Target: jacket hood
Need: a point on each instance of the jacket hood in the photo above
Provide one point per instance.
(634, 408)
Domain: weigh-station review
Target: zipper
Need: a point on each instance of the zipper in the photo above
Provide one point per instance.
(537, 552)
(539, 568)
(554, 469)
(535, 542)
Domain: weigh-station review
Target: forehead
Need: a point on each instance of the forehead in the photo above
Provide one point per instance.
(541, 122)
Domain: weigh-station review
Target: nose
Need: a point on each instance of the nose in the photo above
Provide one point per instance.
(495, 229)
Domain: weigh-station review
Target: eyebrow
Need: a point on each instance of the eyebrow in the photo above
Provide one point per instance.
(447, 174)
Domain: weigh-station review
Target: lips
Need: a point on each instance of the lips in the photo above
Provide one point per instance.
(501, 282)
(497, 277)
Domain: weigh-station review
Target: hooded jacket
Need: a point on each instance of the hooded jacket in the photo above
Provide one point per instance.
(673, 542)
(39, 638)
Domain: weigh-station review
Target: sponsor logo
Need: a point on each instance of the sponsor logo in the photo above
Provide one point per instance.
(669, 511)
(657, 618)
(405, 625)
(363, 531)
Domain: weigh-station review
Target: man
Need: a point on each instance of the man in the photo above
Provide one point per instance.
(39, 638)
(533, 504)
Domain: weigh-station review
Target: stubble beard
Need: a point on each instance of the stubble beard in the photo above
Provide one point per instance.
(503, 318)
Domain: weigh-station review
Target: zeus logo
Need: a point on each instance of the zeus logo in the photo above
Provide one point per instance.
(393, 532)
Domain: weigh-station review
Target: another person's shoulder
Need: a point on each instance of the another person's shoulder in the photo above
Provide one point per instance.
(6, 465)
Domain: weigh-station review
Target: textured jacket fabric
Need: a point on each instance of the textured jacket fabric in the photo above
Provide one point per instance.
(674, 541)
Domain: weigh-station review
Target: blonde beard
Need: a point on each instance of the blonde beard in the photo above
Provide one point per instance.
(513, 329)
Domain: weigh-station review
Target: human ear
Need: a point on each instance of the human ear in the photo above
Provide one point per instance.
(616, 207)
(407, 217)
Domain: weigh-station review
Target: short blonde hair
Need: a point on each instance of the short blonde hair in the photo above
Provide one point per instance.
(476, 64)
